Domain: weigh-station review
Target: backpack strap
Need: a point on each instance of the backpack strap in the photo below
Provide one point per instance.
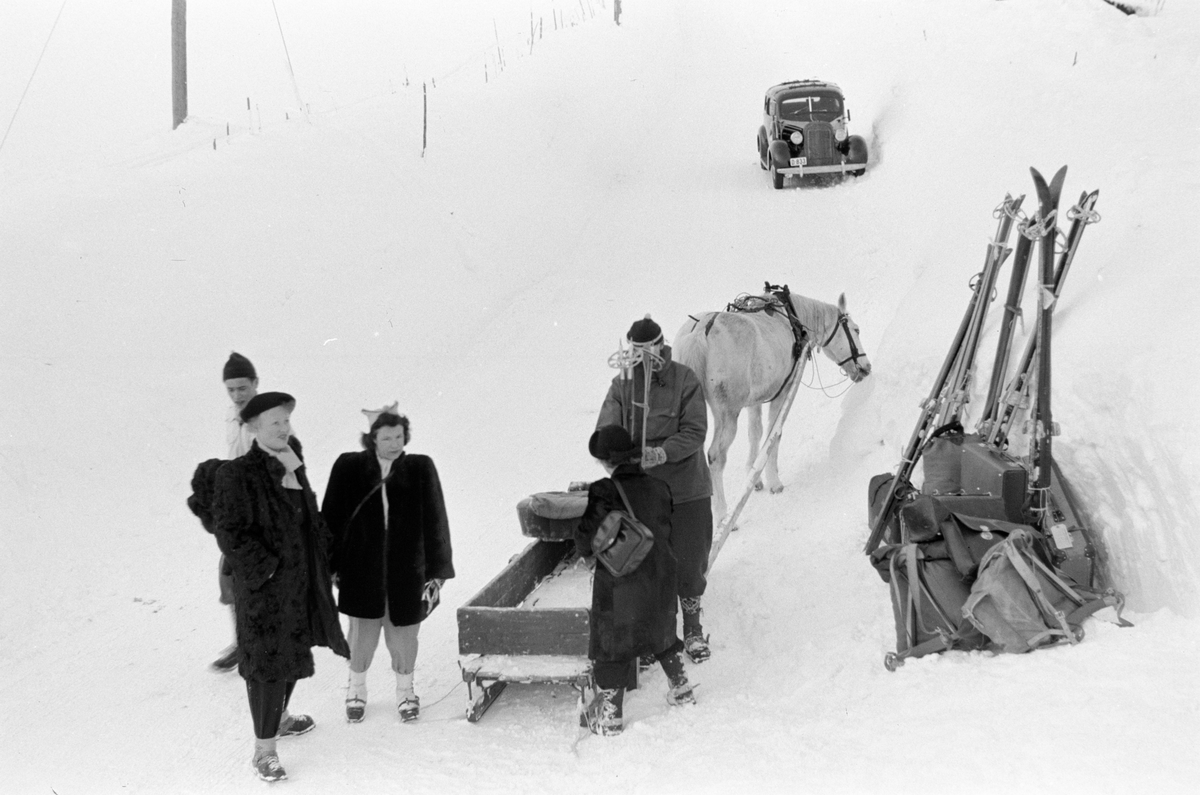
(370, 494)
(913, 624)
(624, 499)
(1021, 566)
(1086, 606)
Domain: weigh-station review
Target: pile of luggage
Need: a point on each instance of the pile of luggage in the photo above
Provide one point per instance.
(967, 572)
(991, 552)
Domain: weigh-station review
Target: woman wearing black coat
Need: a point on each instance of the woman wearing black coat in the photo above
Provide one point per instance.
(269, 529)
(392, 553)
(632, 615)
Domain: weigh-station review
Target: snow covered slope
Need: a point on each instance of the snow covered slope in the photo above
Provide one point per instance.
(566, 189)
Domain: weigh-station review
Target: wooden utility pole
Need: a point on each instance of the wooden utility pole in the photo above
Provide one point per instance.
(179, 103)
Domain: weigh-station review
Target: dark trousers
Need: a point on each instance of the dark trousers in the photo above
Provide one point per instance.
(691, 541)
(268, 700)
(613, 674)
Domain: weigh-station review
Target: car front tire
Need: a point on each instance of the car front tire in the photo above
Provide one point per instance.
(776, 178)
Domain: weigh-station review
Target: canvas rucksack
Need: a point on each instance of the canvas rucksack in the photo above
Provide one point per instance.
(622, 542)
(1021, 603)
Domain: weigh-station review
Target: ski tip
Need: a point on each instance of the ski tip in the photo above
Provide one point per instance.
(1056, 184)
(1048, 194)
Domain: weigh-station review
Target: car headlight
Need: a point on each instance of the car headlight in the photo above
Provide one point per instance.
(796, 137)
(840, 133)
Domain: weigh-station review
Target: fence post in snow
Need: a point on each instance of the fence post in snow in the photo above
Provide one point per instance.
(179, 107)
(499, 52)
(424, 117)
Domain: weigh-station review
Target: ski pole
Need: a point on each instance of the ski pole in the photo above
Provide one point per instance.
(1014, 394)
(1012, 307)
(929, 409)
(998, 251)
(646, 371)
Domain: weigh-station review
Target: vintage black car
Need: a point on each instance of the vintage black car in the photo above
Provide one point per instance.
(804, 132)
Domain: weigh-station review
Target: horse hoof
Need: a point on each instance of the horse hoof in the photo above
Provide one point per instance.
(776, 489)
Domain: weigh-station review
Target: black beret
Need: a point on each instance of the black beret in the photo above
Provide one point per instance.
(265, 401)
(612, 443)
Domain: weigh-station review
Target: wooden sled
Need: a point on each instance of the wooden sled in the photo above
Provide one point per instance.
(503, 640)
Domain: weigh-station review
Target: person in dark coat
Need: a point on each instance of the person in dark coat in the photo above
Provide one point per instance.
(269, 528)
(674, 437)
(392, 553)
(241, 384)
(632, 615)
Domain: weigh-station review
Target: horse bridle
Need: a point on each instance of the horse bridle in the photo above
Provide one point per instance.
(843, 323)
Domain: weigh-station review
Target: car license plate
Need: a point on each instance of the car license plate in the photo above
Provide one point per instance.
(799, 161)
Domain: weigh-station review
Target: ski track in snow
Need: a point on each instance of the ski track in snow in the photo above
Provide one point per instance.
(606, 173)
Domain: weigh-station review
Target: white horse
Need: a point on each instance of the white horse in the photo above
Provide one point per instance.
(744, 359)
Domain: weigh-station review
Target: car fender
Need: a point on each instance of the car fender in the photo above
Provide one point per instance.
(857, 150)
(780, 154)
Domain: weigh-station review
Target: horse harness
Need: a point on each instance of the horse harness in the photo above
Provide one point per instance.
(778, 298)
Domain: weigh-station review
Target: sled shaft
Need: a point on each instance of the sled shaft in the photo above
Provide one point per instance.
(760, 461)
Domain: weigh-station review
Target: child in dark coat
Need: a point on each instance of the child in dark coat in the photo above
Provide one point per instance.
(632, 615)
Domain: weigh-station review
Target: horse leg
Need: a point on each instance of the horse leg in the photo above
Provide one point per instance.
(773, 482)
(756, 432)
(724, 430)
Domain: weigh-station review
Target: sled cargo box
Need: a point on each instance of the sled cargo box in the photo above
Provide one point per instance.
(551, 515)
(495, 621)
(515, 639)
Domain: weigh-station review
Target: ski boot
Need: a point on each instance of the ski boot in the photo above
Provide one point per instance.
(295, 725)
(695, 642)
(266, 762)
(407, 704)
(356, 697)
(227, 661)
(409, 708)
(603, 715)
(681, 692)
(681, 689)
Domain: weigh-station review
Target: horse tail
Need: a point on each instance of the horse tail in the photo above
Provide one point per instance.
(691, 346)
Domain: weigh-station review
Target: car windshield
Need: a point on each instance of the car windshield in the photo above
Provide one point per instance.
(813, 107)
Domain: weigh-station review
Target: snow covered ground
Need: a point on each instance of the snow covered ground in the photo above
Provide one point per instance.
(566, 189)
